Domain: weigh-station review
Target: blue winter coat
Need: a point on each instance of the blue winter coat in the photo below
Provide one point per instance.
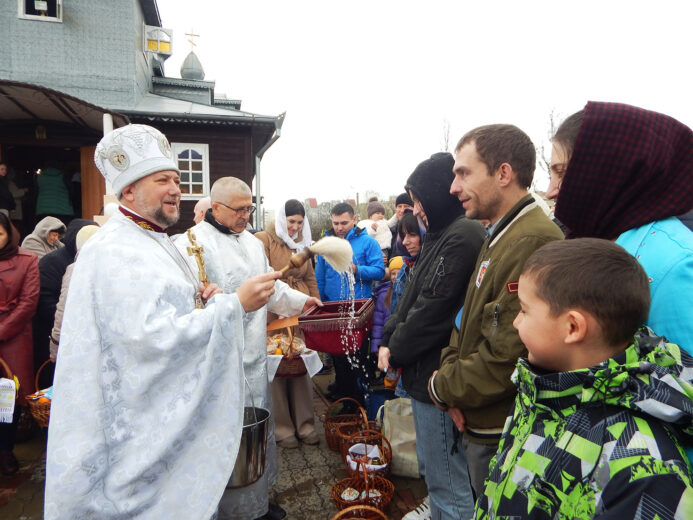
(369, 268)
(380, 315)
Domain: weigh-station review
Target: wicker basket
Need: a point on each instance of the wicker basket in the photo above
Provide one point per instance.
(363, 482)
(361, 512)
(344, 431)
(334, 420)
(40, 411)
(292, 364)
(372, 438)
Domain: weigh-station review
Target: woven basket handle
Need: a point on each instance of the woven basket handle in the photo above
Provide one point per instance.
(329, 408)
(351, 509)
(38, 373)
(6, 368)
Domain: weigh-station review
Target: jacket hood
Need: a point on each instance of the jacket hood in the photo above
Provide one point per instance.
(70, 238)
(430, 183)
(650, 377)
(629, 167)
(46, 225)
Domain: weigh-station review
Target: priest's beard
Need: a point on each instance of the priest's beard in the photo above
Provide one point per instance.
(164, 220)
(156, 213)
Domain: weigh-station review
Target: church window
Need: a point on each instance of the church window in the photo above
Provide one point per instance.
(157, 40)
(193, 163)
(41, 10)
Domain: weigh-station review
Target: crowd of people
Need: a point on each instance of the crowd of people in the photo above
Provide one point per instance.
(546, 356)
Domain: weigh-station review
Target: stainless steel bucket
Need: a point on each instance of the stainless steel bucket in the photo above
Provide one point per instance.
(250, 461)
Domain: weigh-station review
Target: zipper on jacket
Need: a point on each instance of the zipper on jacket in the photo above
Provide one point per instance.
(496, 315)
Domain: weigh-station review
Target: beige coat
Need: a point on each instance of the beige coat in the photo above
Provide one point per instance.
(278, 254)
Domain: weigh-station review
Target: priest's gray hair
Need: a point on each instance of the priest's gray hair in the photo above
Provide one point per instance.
(223, 189)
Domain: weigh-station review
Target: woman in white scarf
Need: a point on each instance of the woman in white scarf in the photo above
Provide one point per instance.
(292, 398)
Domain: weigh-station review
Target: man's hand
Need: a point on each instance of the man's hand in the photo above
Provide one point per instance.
(207, 292)
(310, 302)
(440, 407)
(383, 358)
(457, 417)
(256, 291)
(353, 268)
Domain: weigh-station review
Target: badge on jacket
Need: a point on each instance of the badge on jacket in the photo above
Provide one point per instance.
(482, 272)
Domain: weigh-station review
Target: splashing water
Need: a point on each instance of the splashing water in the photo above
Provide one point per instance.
(337, 252)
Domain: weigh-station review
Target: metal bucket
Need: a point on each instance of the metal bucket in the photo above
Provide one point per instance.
(250, 461)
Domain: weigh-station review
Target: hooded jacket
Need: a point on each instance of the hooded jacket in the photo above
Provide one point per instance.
(369, 268)
(37, 241)
(420, 325)
(52, 268)
(601, 442)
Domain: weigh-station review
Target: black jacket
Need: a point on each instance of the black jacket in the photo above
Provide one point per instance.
(419, 328)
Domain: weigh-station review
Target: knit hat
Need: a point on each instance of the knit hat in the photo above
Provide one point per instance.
(403, 198)
(430, 183)
(85, 234)
(396, 262)
(132, 152)
(375, 207)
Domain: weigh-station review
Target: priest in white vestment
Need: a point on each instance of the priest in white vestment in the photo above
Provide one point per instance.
(147, 411)
(231, 256)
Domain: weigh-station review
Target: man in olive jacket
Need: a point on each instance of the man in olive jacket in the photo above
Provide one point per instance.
(494, 167)
(420, 326)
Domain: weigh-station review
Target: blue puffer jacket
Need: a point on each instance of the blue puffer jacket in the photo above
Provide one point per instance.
(380, 315)
(369, 267)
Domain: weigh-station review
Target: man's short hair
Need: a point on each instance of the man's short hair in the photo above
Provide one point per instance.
(596, 276)
(342, 207)
(225, 186)
(498, 144)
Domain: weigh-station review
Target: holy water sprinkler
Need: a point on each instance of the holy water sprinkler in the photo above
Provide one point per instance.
(336, 251)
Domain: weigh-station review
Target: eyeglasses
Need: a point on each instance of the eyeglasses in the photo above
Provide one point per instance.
(249, 210)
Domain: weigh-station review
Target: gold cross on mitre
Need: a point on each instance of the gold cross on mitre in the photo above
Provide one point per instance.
(191, 39)
(196, 250)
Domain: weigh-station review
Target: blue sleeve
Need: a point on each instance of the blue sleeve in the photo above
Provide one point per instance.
(669, 315)
(320, 277)
(373, 269)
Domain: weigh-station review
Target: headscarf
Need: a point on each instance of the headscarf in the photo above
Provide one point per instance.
(12, 246)
(282, 231)
(629, 167)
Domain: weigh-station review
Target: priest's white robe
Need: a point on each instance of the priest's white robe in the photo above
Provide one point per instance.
(146, 417)
(230, 259)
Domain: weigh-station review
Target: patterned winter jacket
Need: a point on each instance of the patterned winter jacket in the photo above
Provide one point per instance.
(602, 442)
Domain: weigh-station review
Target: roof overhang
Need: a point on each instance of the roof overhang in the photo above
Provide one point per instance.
(153, 109)
(27, 102)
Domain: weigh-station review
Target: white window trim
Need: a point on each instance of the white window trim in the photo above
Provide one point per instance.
(203, 149)
(54, 19)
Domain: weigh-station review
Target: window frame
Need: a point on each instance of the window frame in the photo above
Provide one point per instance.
(202, 149)
(21, 12)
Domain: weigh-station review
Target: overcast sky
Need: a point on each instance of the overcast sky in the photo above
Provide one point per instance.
(368, 85)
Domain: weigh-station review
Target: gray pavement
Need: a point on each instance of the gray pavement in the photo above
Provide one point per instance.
(306, 475)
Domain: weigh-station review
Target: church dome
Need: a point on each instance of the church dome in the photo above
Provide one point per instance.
(192, 68)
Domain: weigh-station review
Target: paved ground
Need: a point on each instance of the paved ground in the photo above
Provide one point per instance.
(306, 475)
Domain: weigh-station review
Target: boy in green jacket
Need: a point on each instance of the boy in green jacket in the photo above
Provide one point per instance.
(602, 404)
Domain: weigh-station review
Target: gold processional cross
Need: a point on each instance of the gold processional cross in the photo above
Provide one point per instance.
(196, 250)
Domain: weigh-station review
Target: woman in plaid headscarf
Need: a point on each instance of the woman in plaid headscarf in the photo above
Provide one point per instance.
(623, 173)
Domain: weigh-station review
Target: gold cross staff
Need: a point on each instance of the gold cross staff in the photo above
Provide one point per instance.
(196, 250)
